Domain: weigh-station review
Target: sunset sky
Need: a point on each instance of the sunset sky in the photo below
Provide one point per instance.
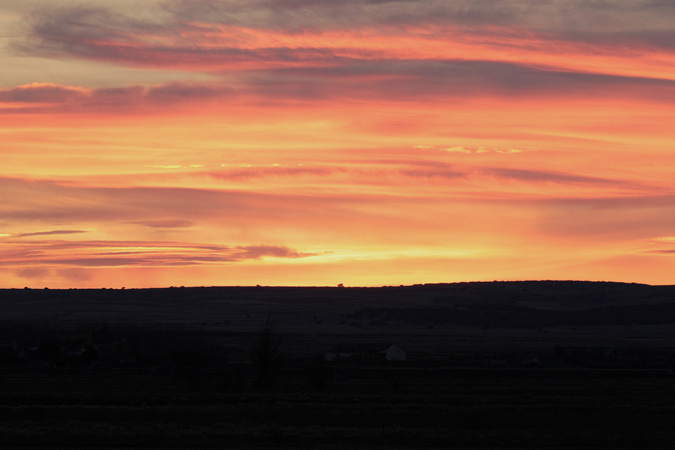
(154, 143)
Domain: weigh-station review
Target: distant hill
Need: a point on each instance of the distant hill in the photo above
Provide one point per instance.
(480, 304)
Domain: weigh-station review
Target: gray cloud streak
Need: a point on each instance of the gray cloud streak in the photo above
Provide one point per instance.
(100, 34)
(426, 79)
(414, 80)
(51, 233)
(594, 15)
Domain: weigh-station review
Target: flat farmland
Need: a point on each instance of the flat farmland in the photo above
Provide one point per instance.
(439, 408)
(488, 365)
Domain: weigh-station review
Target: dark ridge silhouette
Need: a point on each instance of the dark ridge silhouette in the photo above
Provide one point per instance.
(498, 304)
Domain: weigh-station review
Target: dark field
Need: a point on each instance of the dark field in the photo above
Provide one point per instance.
(488, 365)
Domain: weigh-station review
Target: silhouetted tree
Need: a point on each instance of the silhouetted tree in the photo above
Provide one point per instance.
(265, 354)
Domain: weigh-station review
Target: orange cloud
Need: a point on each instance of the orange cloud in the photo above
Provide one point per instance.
(395, 142)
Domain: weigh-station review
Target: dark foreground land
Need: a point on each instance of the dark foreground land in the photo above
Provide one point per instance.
(488, 365)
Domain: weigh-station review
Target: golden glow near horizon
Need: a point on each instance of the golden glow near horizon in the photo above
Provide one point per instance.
(219, 143)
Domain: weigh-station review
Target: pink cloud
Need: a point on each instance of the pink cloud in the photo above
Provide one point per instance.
(43, 93)
(33, 272)
(132, 253)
